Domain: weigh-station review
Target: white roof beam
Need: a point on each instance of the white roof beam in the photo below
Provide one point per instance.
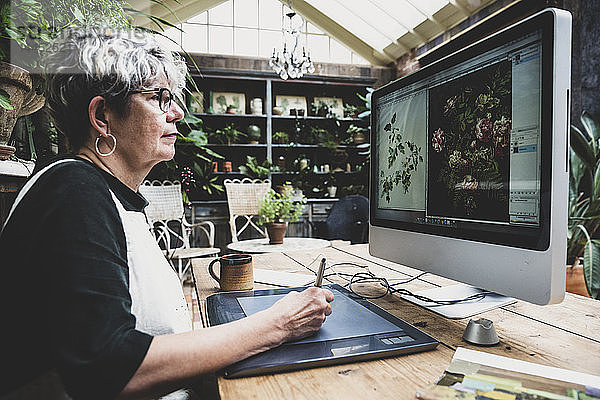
(428, 16)
(460, 7)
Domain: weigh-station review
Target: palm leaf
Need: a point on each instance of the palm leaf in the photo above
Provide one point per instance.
(583, 148)
(591, 127)
(591, 268)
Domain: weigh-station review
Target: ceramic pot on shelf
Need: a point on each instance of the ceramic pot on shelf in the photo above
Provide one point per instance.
(256, 106)
(332, 190)
(254, 133)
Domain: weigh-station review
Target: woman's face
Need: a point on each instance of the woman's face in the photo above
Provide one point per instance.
(146, 135)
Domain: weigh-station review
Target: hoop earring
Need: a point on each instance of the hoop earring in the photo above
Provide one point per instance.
(111, 151)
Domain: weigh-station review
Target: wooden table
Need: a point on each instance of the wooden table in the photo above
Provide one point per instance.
(290, 244)
(565, 335)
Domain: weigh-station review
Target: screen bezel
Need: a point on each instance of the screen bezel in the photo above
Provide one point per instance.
(533, 238)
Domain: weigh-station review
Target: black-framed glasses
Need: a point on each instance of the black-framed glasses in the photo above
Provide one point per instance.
(165, 97)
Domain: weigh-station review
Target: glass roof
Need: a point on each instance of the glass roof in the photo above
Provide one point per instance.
(376, 31)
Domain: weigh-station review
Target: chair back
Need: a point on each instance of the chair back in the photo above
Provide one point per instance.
(164, 198)
(243, 199)
(347, 220)
(165, 213)
(166, 217)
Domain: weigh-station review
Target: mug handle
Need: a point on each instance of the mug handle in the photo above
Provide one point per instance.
(212, 272)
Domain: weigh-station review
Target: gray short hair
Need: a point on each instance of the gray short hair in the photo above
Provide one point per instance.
(82, 64)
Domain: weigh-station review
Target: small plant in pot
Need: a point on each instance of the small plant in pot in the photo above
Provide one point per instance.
(281, 137)
(277, 209)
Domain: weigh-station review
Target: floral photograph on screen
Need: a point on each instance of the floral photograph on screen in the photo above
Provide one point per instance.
(469, 145)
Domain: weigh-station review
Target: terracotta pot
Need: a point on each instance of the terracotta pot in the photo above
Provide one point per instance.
(575, 279)
(276, 232)
(17, 83)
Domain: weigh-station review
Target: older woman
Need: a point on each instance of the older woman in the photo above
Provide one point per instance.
(102, 314)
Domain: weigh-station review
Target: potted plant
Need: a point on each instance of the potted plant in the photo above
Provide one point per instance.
(281, 137)
(584, 206)
(257, 171)
(228, 135)
(277, 209)
(350, 110)
(357, 134)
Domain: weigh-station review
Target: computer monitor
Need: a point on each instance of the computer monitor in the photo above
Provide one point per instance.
(469, 163)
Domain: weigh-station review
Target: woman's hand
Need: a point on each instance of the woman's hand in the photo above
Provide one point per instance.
(302, 313)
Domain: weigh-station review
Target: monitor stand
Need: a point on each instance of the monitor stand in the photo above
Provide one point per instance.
(463, 309)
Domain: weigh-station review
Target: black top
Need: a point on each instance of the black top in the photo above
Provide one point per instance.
(64, 291)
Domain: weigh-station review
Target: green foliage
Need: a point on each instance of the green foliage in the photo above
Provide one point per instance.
(584, 201)
(302, 176)
(191, 129)
(280, 207)
(32, 25)
(255, 170)
(281, 137)
(228, 135)
(366, 113)
(192, 162)
(350, 110)
(5, 100)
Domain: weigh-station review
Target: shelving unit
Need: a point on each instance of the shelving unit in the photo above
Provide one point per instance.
(267, 86)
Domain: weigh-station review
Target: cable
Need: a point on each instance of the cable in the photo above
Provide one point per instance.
(368, 277)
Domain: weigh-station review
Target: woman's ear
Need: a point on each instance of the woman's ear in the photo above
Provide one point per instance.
(97, 115)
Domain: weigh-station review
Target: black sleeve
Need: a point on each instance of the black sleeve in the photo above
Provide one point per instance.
(95, 344)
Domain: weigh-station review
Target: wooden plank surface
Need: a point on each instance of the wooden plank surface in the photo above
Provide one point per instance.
(566, 335)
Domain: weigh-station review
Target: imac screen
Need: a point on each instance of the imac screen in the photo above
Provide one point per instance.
(460, 147)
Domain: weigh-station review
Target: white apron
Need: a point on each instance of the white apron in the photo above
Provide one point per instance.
(157, 299)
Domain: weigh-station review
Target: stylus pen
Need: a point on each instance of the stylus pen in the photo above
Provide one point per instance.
(319, 279)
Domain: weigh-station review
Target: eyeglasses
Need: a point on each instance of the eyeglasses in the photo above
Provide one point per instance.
(165, 97)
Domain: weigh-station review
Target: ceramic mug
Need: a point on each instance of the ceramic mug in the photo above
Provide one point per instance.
(236, 272)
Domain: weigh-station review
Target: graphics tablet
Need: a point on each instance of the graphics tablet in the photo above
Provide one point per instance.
(357, 330)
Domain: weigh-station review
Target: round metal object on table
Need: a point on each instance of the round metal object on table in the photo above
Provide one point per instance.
(289, 244)
(481, 332)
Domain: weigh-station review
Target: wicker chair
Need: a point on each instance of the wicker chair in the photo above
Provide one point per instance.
(166, 217)
(243, 198)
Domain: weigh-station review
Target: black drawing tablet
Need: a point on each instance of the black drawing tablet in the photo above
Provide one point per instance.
(357, 330)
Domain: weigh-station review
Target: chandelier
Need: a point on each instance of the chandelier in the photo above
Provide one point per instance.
(292, 61)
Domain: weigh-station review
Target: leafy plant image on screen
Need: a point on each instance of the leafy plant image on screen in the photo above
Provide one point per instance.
(409, 154)
(469, 145)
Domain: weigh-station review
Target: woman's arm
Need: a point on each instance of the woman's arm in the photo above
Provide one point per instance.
(174, 360)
